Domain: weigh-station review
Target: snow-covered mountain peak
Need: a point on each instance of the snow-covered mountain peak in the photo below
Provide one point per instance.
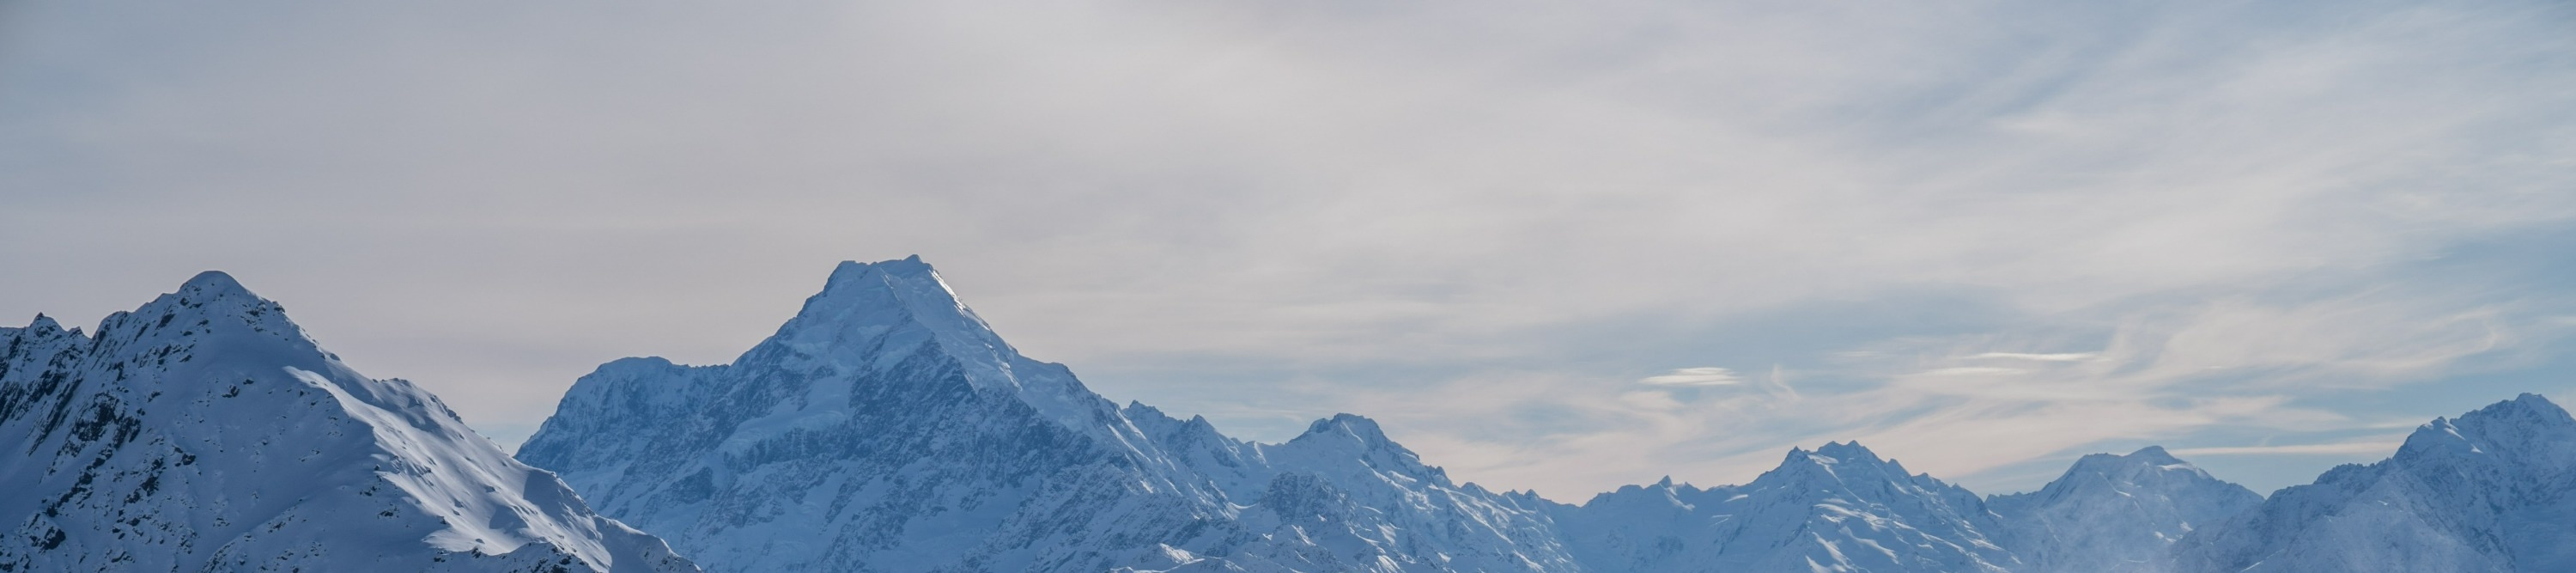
(42, 323)
(1664, 492)
(1846, 451)
(2526, 413)
(43, 328)
(1839, 458)
(2155, 454)
(1838, 507)
(1348, 437)
(213, 435)
(2149, 471)
(863, 300)
(210, 308)
(1347, 427)
(877, 316)
(212, 285)
(2486, 491)
(209, 293)
(1157, 421)
(2524, 425)
(2148, 460)
(1350, 434)
(2116, 513)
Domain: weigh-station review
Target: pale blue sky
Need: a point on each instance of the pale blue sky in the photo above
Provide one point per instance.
(1554, 246)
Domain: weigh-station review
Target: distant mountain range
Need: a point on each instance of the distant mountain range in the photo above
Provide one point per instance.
(886, 428)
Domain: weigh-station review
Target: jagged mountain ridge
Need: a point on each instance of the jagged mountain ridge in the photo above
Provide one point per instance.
(204, 431)
(886, 428)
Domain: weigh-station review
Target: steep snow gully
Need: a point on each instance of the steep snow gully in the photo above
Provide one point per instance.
(887, 428)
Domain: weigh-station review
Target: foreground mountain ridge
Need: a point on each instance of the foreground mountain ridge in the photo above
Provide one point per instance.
(205, 432)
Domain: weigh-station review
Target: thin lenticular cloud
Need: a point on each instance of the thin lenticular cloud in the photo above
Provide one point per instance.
(2056, 357)
(1972, 371)
(1706, 376)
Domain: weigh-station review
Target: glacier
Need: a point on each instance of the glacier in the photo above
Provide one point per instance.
(205, 432)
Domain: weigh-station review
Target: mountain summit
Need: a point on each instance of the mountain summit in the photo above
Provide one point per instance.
(205, 432)
(901, 307)
(2489, 491)
(899, 303)
(1838, 508)
(2116, 514)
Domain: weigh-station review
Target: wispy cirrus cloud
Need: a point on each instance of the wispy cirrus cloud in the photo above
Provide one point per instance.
(2381, 447)
(2049, 357)
(1702, 376)
(2230, 379)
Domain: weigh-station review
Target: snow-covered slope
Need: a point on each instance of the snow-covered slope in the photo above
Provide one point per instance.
(2494, 490)
(887, 428)
(2115, 514)
(1839, 508)
(205, 432)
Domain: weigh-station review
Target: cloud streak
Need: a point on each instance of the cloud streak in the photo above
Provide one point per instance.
(1703, 376)
(2379, 448)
